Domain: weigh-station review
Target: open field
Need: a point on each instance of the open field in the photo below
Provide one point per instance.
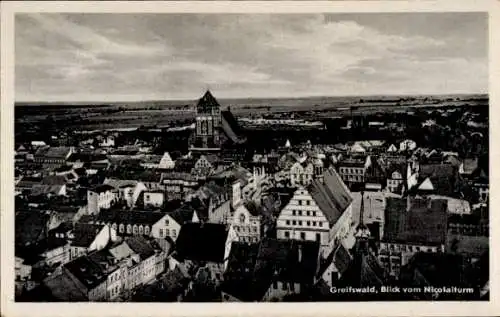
(168, 113)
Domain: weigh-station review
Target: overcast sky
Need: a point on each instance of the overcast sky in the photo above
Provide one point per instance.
(104, 57)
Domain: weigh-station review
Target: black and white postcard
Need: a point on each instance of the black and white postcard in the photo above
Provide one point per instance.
(280, 155)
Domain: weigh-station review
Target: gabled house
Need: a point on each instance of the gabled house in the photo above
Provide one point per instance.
(320, 212)
(166, 162)
(86, 237)
(301, 173)
(246, 222)
(352, 170)
(205, 165)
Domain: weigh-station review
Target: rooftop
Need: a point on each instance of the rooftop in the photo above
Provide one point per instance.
(86, 271)
(331, 195)
(130, 217)
(424, 222)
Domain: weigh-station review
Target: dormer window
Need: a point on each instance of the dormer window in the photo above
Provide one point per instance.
(242, 218)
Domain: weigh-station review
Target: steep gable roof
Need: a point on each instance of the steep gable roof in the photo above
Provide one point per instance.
(231, 127)
(207, 103)
(85, 234)
(331, 195)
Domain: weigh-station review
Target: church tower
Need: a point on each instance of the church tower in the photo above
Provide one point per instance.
(208, 123)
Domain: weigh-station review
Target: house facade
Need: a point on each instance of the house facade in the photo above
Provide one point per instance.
(154, 198)
(320, 212)
(101, 196)
(246, 224)
(353, 170)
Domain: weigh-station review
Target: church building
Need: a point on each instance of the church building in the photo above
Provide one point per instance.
(214, 128)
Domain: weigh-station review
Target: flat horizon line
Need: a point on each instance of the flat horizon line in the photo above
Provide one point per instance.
(248, 98)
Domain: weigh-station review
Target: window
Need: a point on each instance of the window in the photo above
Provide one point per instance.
(308, 223)
(308, 202)
(300, 223)
(320, 223)
(288, 222)
(161, 233)
(287, 234)
(303, 235)
(300, 202)
(121, 228)
(308, 213)
(167, 232)
(314, 223)
(166, 222)
(293, 212)
(129, 229)
(294, 222)
(300, 212)
(242, 218)
(135, 229)
(318, 237)
(146, 230)
(314, 213)
(174, 233)
(147, 197)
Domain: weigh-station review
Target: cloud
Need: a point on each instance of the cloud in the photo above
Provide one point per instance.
(177, 56)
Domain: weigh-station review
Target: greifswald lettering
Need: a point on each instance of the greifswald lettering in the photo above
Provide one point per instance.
(350, 289)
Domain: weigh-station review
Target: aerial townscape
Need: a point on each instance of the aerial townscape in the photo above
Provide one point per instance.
(328, 199)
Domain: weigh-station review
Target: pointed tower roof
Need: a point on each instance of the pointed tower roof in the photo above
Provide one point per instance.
(287, 144)
(362, 231)
(207, 103)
